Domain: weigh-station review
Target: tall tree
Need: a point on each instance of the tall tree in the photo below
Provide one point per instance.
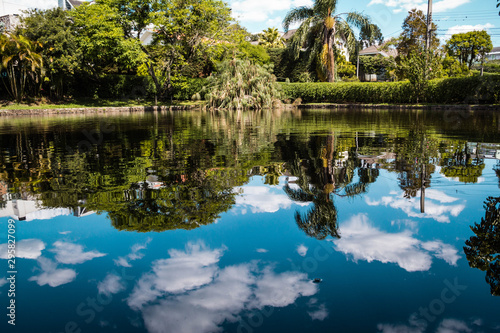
(271, 37)
(182, 28)
(54, 29)
(413, 37)
(469, 46)
(102, 41)
(370, 35)
(321, 29)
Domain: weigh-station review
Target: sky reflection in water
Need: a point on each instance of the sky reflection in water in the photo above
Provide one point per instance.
(205, 223)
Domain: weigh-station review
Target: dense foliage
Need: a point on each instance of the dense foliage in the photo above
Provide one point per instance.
(470, 90)
(470, 46)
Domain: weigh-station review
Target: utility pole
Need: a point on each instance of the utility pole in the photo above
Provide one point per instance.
(429, 26)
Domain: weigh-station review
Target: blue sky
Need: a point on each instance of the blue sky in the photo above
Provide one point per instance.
(451, 16)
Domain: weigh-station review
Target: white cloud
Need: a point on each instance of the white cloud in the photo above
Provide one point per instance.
(437, 7)
(414, 326)
(443, 251)
(64, 232)
(112, 284)
(51, 275)
(221, 296)
(364, 242)
(437, 205)
(262, 199)
(280, 290)
(320, 314)
(3, 281)
(457, 29)
(133, 255)
(183, 271)
(452, 326)
(262, 10)
(26, 248)
(275, 22)
(69, 253)
(262, 250)
(302, 250)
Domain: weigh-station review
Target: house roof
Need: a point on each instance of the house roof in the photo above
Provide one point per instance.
(75, 3)
(289, 34)
(495, 50)
(377, 49)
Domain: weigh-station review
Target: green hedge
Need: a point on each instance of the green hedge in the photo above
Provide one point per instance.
(469, 90)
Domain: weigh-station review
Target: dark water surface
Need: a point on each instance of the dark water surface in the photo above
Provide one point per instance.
(304, 221)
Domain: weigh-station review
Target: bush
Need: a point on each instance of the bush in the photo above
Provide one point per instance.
(119, 86)
(468, 90)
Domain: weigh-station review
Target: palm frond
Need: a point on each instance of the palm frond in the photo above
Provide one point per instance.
(322, 7)
(300, 37)
(297, 15)
(358, 19)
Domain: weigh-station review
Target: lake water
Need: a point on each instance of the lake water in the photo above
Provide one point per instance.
(303, 221)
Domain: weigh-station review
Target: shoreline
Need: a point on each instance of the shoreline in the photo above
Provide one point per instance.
(95, 110)
(308, 106)
(466, 107)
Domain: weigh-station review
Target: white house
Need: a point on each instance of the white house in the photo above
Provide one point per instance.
(494, 54)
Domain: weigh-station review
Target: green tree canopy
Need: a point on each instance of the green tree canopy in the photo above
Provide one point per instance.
(470, 46)
(271, 37)
(370, 35)
(101, 40)
(413, 37)
(322, 29)
(53, 28)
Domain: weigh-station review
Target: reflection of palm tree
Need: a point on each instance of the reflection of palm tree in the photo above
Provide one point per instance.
(319, 177)
(483, 249)
(321, 220)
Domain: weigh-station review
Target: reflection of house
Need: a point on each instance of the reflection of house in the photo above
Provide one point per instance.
(368, 161)
(494, 54)
(29, 209)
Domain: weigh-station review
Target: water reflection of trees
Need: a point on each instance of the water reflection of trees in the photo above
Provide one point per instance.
(178, 170)
(324, 166)
(483, 249)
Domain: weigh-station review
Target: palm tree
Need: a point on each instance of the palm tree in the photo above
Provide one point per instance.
(271, 37)
(21, 61)
(321, 28)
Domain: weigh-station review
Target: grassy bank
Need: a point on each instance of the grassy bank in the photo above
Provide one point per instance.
(88, 103)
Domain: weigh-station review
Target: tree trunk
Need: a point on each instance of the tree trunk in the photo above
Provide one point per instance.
(329, 40)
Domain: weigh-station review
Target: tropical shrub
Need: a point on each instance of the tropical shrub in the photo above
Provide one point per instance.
(20, 60)
(239, 84)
